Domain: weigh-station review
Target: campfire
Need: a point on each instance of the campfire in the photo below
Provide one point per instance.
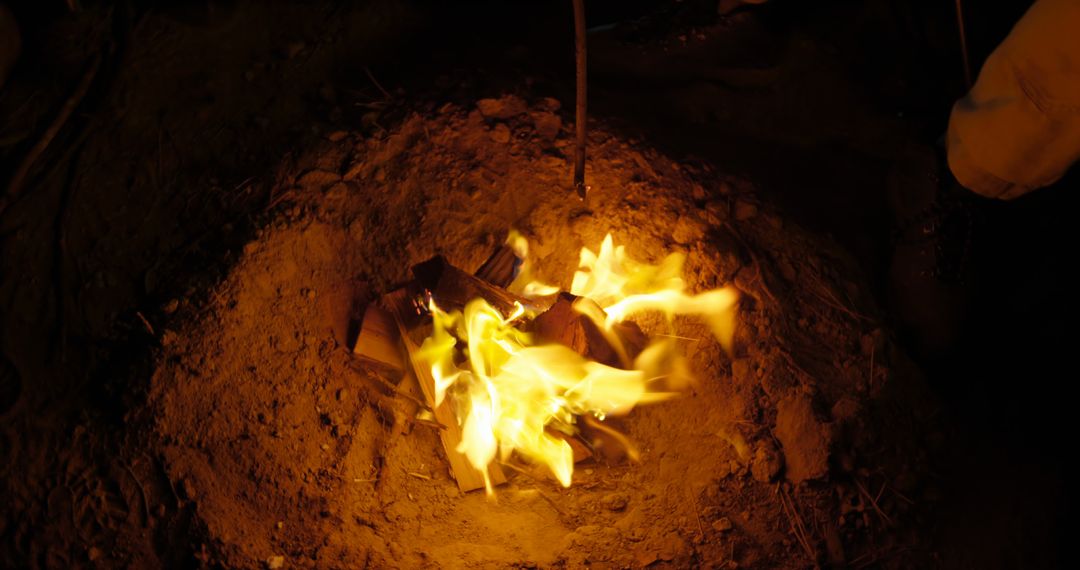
(514, 369)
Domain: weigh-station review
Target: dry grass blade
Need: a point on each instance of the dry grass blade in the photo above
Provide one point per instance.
(18, 180)
(796, 522)
(873, 502)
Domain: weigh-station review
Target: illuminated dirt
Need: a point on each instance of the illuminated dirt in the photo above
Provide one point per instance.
(282, 449)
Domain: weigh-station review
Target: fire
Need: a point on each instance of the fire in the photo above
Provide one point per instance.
(514, 394)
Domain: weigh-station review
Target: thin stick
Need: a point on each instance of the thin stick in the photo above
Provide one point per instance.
(697, 514)
(379, 86)
(18, 180)
(963, 42)
(580, 116)
(145, 323)
(535, 479)
(359, 368)
(873, 502)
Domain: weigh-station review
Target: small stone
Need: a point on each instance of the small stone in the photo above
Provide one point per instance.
(672, 546)
(500, 134)
(170, 307)
(280, 525)
(549, 104)
(275, 562)
(337, 136)
(845, 410)
(806, 440)
(342, 394)
(502, 108)
(644, 558)
(741, 370)
(688, 230)
(873, 343)
(547, 125)
(767, 462)
(723, 524)
(615, 502)
(745, 210)
(318, 179)
(188, 487)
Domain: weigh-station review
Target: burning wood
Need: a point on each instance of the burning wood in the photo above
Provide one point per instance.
(468, 477)
(564, 324)
(500, 389)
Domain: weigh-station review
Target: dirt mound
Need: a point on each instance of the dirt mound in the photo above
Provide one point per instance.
(290, 455)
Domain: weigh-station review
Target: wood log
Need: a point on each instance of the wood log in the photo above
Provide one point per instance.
(563, 324)
(400, 305)
(378, 339)
(452, 288)
(501, 268)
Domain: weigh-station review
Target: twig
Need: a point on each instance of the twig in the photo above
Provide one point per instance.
(873, 502)
(145, 323)
(554, 504)
(18, 180)
(418, 475)
(697, 514)
(963, 42)
(428, 423)
(826, 296)
(142, 491)
(371, 76)
(901, 496)
(357, 367)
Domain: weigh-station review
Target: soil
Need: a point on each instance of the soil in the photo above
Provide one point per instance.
(282, 449)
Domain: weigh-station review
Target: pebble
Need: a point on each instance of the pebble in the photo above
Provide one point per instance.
(615, 502)
(500, 134)
(502, 108)
(275, 562)
(767, 462)
(723, 524)
(745, 210)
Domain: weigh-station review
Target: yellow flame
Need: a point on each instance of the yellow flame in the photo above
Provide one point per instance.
(623, 287)
(510, 393)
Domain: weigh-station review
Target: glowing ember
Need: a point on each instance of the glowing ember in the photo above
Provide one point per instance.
(513, 394)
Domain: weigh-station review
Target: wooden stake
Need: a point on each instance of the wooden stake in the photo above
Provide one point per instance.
(579, 119)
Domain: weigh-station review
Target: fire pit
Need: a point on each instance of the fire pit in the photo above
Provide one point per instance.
(294, 434)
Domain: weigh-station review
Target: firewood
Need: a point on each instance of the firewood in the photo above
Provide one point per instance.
(378, 339)
(401, 307)
(563, 324)
(499, 269)
(452, 288)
